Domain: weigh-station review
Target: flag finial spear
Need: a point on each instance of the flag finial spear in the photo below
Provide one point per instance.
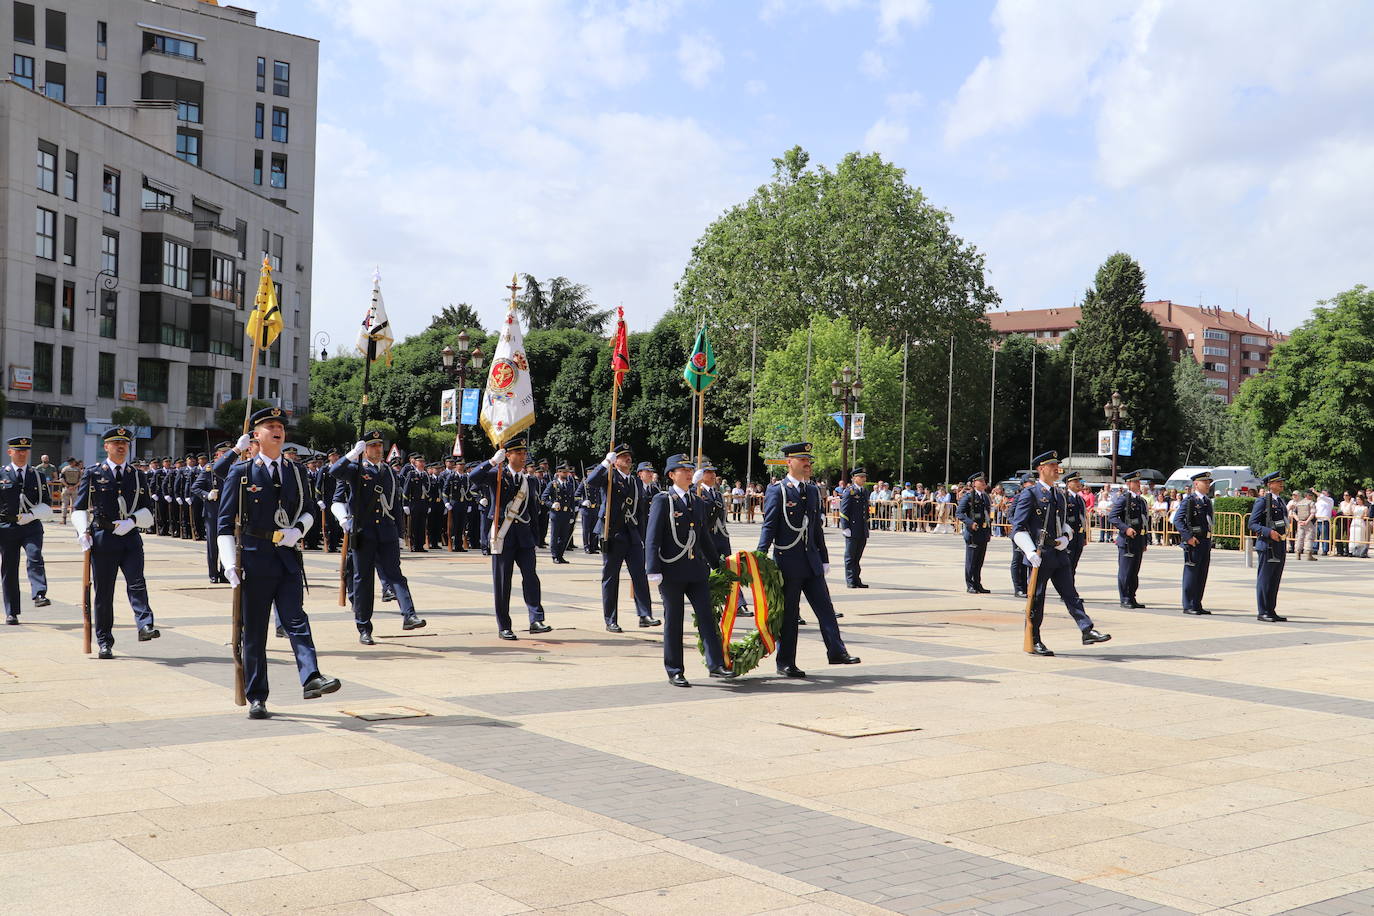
(377, 275)
(514, 288)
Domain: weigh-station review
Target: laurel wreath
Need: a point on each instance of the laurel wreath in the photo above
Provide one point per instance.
(748, 651)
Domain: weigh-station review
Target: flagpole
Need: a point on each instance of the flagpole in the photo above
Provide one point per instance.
(949, 406)
(901, 449)
(992, 409)
(610, 472)
(500, 472)
(753, 360)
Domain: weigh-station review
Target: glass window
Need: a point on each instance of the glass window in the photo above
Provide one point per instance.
(1252, 339)
(65, 375)
(102, 32)
(188, 111)
(152, 380)
(1214, 334)
(44, 300)
(69, 176)
(100, 81)
(240, 285)
(23, 23)
(262, 74)
(109, 189)
(166, 44)
(68, 307)
(69, 241)
(222, 279)
(155, 198)
(1216, 351)
(176, 264)
(109, 251)
(278, 170)
(257, 120)
(280, 119)
(46, 241)
(105, 376)
(47, 167)
(1218, 383)
(55, 81)
(277, 245)
(42, 367)
(55, 29)
(257, 166)
(241, 236)
(200, 386)
(188, 147)
(164, 320)
(23, 70)
(281, 78)
(109, 314)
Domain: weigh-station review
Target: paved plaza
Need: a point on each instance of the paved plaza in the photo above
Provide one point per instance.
(1190, 765)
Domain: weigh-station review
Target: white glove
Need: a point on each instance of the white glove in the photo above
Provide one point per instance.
(448, 507)
(227, 549)
(405, 509)
(232, 574)
(1034, 559)
(356, 451)
(213, 495)
(1061, 542)
(84, 539)
(586, 504)
(499, 457)
(608, 460)
(483, 502)
(242, 444)
(123, 526)
(825, 569)
(320, 503)
(697, 475)
(844, 531)
(1023, 540)
(41, 511)
(655, 578)
(25, 517)
(289, 536)
(347, 524)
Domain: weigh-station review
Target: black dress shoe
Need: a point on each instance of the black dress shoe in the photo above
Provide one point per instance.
(1093, 636)
(1196, 611)
(413, 622)
(745, 612)
(106, 652)
(1203, 612)
(801, 621)
(845, 659)
(972, 591)
(281, 631)
(650, 622)
(41, 601)
(419, 550)
(1272, 618)
(147, 633)
(984, 591)
(791, 671)
(365, 637)
(318, 686)
(614, 628)
(388, 596)
(507, 634)
(860, 585)
(1039, 649)
(839, 614)
(258, 710)
(725, 673)
(678, 680)
(540, 626)
(561, 560)
(12, 619)
(1021, 594)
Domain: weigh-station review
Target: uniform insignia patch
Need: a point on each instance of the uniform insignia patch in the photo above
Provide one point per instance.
(254, 489)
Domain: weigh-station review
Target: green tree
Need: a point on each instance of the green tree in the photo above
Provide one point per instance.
(317, 430)
(561, 304)
(229, 418)
(130, 416)
(1205, 433)
(460, 317)
(1313, 410)
(1119, 347)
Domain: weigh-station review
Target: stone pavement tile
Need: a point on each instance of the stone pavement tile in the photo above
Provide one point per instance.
(221, 789)
(1314, 781)
(1055, 832)
(468, 899)
(363, 848)
(350, 908)
(89, 804)
(212, 814)
(228, 867)
(971, 760)
(1345, 896)
(1230, 832)
(587, 848)
(18, 791)
(1231, 879)
(1319, 817)
(1359, 801)
(508, 828)
(158, 845)
(114, 764)
(434, 811)
(100, 877)
(284, 894)
(959, 817)
(1197, 804)
(1212, 772)
(831, 781)
(1119, 857)
(440, 868)
(718, 895)
(84, 785)
(1041, 802)
(376, 795)
(299, 779)
(965, 787)
(72, 832)
(565, 884)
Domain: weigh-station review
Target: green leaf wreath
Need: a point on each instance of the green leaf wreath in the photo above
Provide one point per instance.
(747, 652)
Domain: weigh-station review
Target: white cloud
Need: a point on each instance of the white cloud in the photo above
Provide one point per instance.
(698, 56)
(872, 65)
(893, 15)
(755, 87)
(885, 136)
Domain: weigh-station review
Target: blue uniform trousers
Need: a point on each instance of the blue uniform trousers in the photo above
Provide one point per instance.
(26, 540)
(1076, 546)
(1271, 563)
(1019, 569)
(1129, 555)
(502, 570)
(112, 554)
(975, 552)
(627, 549)
(818, 596)
(1196, 561)
(854, 553)
(211, 545)
(560, 532)
(371, 555)
(590, 541)
(268, 581)
(1057, 567)
(672, 594)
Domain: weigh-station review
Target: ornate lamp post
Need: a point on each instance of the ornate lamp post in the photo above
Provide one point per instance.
(845, 390)
(456, 366)
(1116, 412)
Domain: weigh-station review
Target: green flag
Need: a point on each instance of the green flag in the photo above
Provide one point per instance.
(700, 371)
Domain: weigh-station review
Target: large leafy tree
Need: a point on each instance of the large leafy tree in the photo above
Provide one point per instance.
(460, 317)
(1205, 425)
(560, 303)
(1313, 410)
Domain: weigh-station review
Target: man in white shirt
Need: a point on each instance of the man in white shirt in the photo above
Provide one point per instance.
(1325, 509)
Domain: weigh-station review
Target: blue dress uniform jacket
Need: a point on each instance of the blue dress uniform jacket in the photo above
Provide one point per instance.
(854, 527)
(209, 486)
(372, 493)
(1194, 519)
(623, 542)
(589, 507)
(1130, 510)
(253, 506)
(1269, 516)
(792, 527)
(1040, 509)
(679, 547)
(974, 512)
(106, 500)
(1076, 515)
(517, 543)
(561, 498)
(21, 489)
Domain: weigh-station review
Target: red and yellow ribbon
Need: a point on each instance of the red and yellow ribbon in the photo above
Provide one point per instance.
(761, 608)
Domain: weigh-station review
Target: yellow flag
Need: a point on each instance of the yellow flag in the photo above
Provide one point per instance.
(265, 323)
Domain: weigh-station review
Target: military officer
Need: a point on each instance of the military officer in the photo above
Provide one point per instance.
(267, 503)
(1269, 525)
(974, 512)
(1130, 516)
(451, 521)
(416, 484)
(157, 473)
(621, 530)
(649, 477)
(1076, 516)
(677, 548)
(589, 507)
(438, 516)
(560, 496)
(1194, 520)
(367, 509)
(792, 527)
(1019, 576)
(707, 485)
(854, 525)
(512, 543)
(24, 503)
(112, 503)
(541, 517)
(1041, 530)
(209, 486)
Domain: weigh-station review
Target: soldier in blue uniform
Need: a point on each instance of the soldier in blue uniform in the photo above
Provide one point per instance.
(854, 526)
(112, 503)
(678, 549)
(1040, 529)
(706, 484)
(416, 484)
(1076, 516)
(268, 505)
(621, 530)
(1130, 516)
(589, 507)
(208, 487)
(975, 514)
(1269, 525)
(560, 495)
(647, 476)
(368, 511)
(513, 542)
(156, 475)
(1019, 577)
(792, 527)
(24, 503)
(1194, 520)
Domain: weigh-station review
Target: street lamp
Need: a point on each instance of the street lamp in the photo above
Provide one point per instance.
(456, 366)
(1116, 412)
(321, 340)
(846, 390)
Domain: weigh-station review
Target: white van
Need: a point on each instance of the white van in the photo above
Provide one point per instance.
(1182, 479)
(1231, 477)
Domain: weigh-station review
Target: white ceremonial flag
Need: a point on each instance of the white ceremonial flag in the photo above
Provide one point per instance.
(376, 328)
(508, 401)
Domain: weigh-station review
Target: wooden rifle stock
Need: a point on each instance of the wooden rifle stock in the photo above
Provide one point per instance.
(86, 601)
(343, 572)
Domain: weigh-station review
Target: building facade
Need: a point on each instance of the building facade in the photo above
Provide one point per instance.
(151, 154)
(1229, 346)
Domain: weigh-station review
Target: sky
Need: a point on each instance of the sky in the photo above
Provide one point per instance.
(1228, 146)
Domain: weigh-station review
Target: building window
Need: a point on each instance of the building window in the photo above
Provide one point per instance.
(23, 23)
(1218, 382)
(42, 367)
(188, 111)
(215, 330)
(105, 376)
(1216, 351)
(240, 286)
(100, 81)
(241, 237)
(1214, 334)
(64, 385)
(200, 386)
(166, 44)
(68, 307)
(1253, 355)
(152, 380)
(266, 242)
(1253, 339)
(274, 388)
(155, 198)
(47, 167)
(278, 170)
(1215, 367)
(236, 382)
(69, 176)
(46, 241)
(188, 146)
(281, 78)
(164, 320)
(280, 125)
(109, 314)
(262, 74)
(44, 300)
(188, 94)
(69, 241)
(222, 279)
(258, 120)
(257, 166)
(109, 193)
(296, 354)
(55, 29)
(109, 251)
(277, 244)
(102, 33)
(176, 264)
(55, 81)
(23, 71)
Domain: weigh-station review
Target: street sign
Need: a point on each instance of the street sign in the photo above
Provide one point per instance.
(1104, 442)
(1125, 442)
(472, 402)
(448, 407)
(856, 426)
